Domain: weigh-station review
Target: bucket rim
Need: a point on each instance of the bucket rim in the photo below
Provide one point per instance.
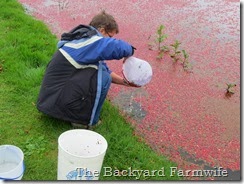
(83, 130)
(6, 146)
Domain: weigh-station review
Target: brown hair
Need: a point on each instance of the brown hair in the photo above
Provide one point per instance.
(106, 21)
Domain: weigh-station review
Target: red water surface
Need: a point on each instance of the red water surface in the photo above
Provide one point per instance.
(183, 115)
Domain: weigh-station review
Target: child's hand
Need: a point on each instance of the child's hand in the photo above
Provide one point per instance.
(130, 83)
(133, 85)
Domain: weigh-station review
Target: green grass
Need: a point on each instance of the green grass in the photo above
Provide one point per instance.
(26, 47)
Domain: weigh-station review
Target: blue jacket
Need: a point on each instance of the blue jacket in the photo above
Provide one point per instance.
(92, 50)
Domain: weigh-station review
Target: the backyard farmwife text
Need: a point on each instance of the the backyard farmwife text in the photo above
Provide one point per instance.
(173, 171)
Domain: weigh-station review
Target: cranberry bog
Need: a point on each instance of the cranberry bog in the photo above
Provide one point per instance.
(187, 116)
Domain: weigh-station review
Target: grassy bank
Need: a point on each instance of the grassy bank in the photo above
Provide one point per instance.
(26, 47)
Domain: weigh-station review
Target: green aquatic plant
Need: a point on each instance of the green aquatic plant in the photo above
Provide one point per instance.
(230, 88)
(161, 36)
(174, 49)
(176, 52)
(185, 61)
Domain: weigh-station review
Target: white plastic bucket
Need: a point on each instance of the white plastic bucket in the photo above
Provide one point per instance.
(80, 155)
(11, 163)
(137, 71)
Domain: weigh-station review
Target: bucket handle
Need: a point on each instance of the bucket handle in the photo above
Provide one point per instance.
(15, 177)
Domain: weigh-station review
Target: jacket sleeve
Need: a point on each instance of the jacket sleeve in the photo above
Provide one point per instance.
(95, 49)
(114, 49)
(104, 49)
